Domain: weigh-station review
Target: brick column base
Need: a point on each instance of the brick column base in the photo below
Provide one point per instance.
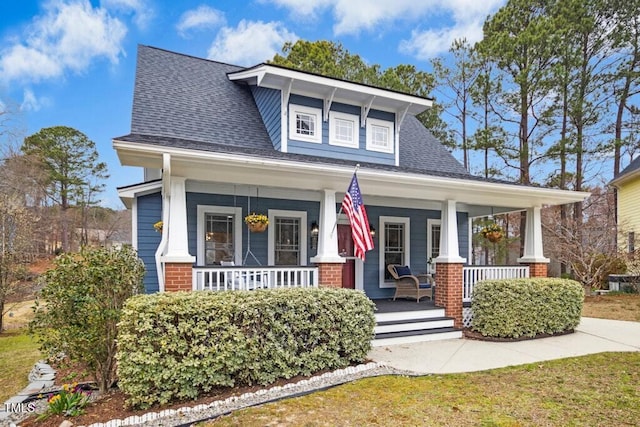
(449, 290)
(330, 275)
(537, 269)
(177, 276)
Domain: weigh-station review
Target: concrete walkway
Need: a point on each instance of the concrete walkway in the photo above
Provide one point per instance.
(465, 355)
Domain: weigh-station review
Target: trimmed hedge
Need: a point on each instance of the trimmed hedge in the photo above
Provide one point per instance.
(515, 308)
(176, 346)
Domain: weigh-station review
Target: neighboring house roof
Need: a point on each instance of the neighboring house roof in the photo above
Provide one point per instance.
(187, 102)
(630, 172)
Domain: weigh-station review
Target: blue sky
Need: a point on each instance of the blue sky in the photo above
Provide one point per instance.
(72, 62)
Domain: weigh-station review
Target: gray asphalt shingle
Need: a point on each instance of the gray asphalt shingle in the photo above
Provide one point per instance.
(188, 102)
(633, 166)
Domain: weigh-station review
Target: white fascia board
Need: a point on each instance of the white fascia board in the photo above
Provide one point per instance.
(621, 179)
(128, 194)
(265, 70)
(375, 182)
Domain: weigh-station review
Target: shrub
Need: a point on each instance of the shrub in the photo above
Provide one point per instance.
(82, 301)
(526, 307)
(178, 345)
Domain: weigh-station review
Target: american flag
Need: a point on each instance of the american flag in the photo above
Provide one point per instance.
(354, 209)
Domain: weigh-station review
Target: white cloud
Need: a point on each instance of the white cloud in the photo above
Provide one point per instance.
(250, 43)
(353, 16)
(303, 8)
(202, 17)
(31, 103)
(430, 43)
(448, 19)
(142, 11)
(68, 36)
(467, 16)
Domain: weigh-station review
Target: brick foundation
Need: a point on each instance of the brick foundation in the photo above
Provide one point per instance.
(177, 277)
(330, 275)
(538, 269)
(449, 290)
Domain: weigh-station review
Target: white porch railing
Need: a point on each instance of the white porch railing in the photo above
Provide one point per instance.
(249, 278)
(474, 274)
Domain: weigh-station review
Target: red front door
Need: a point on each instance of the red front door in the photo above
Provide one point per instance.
(345, 248)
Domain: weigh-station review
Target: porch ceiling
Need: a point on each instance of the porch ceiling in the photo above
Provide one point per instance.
(254, 171)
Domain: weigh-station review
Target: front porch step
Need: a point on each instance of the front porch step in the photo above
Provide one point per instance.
(421, 335)
(413, 325)
(409, 315)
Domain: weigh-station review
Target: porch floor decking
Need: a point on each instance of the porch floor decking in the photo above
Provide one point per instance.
(388, 305)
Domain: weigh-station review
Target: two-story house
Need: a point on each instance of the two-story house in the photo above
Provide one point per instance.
(219, 141)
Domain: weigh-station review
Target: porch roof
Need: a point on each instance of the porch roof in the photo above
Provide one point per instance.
(213, 163)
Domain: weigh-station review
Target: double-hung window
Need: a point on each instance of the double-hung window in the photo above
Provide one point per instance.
(394, 246)
(305, 123)
(219, 235)
(433, 243)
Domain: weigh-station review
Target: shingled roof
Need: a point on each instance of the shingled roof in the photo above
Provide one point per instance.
(188, 102)
(632, 169)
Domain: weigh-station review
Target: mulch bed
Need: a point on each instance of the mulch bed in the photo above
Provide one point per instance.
(112, 405)
(468, 333)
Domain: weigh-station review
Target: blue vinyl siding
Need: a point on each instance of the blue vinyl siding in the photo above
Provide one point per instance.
(268, 102)
(418, 244)
(259, 241)
(332, 151)
(149, 212)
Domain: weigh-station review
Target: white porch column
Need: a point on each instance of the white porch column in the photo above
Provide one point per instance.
(328, 235)
(449, 248)
(533, 252)
(177, 250)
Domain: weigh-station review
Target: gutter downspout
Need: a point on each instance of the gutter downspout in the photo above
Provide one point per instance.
(166, 201)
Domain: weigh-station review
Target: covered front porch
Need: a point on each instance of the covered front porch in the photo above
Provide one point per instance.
(225, 278)
(416, 217)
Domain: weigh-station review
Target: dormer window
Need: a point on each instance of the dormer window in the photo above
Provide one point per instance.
(305, 123)
(379, 135)
(344, 130)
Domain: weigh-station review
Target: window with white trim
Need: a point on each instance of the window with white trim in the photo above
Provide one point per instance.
(287, 237)
(379, 135)
(305, 123)
(344, 130)
(219, 235)
(394, 246)
(433, 243)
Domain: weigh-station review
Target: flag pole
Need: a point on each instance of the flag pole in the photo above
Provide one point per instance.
(340, 211)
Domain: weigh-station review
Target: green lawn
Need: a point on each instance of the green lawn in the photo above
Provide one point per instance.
(602, 389)
(18, 353)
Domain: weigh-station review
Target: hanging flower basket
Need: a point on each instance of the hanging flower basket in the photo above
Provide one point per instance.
(492, 232)
(494, 236)
(257, 223)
